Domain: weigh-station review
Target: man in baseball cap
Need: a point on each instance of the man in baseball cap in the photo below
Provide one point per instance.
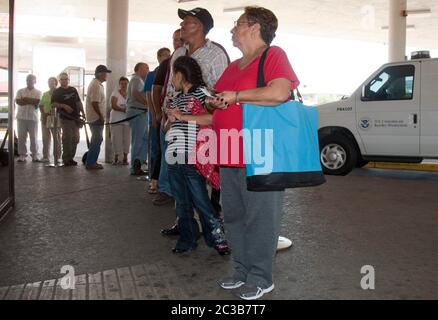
(101, 69)
(201, 14)
(96, 113)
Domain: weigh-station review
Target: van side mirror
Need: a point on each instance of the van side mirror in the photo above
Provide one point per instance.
(365, 93)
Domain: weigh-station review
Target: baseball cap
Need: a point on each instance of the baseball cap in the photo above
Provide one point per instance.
(102, 69)
(201, 14)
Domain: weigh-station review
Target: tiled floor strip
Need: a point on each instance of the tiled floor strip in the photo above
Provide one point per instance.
(144, 282)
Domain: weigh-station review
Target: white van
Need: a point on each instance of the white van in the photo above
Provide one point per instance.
(391, 117)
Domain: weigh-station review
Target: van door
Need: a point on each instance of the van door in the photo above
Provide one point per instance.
(388, 111)
(429, 108)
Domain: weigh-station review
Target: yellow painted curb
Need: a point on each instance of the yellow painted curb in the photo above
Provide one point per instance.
(432, 167)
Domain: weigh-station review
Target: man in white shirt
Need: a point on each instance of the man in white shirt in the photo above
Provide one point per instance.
(96, 111)
(28, 100)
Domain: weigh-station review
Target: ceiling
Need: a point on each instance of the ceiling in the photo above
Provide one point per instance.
(334, 18)
(341, 19)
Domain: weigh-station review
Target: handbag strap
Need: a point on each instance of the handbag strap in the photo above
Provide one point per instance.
(261, 76)
(261, 72)
(299, 96)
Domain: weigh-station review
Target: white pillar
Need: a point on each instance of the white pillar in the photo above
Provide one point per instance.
(117, 55)
(397, 30)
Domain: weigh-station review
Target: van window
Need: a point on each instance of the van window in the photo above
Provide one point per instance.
(393, 83)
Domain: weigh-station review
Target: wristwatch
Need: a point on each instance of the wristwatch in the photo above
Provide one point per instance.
(237, 98)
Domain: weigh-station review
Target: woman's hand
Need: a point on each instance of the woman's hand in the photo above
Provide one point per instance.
(67, 108)
(222, 100)
(175, 114)
(44, 117)
(170, 117)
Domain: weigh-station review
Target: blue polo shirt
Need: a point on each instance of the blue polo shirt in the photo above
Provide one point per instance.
(149, 81)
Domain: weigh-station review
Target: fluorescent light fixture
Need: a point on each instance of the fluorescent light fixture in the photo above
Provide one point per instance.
(409, 26)
(234, 9)
(417, 13)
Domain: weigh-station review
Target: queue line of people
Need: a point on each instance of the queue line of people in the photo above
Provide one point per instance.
(251, 219)
(161, 107)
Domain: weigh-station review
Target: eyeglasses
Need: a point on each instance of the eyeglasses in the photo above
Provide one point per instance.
(238, 23)
(64, 79)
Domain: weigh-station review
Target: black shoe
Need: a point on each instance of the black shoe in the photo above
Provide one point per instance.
(136, 169)
(70, 163)
(174, 231)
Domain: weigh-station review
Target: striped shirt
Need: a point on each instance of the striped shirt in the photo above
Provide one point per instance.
(182, 135)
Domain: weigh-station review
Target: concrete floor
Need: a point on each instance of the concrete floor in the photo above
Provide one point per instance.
(104, 220)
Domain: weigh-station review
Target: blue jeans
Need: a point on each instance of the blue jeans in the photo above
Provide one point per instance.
(190, 191)
(96, 128)
(163, 181)
(139, 136)
(154, 165)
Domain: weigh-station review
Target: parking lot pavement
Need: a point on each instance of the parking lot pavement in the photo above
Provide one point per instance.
(104, 221)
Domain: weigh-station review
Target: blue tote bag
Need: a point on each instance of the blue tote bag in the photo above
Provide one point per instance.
(281, 144)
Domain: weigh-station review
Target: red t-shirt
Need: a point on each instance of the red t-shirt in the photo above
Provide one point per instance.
(277, 66)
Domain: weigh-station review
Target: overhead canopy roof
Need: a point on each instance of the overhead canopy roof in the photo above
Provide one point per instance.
(338, 19)
(349, 19)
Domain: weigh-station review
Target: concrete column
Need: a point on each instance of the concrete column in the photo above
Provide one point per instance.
(397, 30)
(117, 55)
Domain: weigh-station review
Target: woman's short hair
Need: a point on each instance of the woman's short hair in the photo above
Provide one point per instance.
(138, 66)
(162, 51)
(267, 20)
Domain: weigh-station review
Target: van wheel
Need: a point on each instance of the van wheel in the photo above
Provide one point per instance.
(338, 154)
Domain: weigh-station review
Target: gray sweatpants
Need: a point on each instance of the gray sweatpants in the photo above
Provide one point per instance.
(252, 226)
(48, 134)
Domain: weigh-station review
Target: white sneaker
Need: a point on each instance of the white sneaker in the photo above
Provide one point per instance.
(21, 159)
(252, 292)
(36, 158)
(230, 283)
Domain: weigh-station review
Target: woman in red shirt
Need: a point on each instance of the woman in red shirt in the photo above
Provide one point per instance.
(252, 219)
